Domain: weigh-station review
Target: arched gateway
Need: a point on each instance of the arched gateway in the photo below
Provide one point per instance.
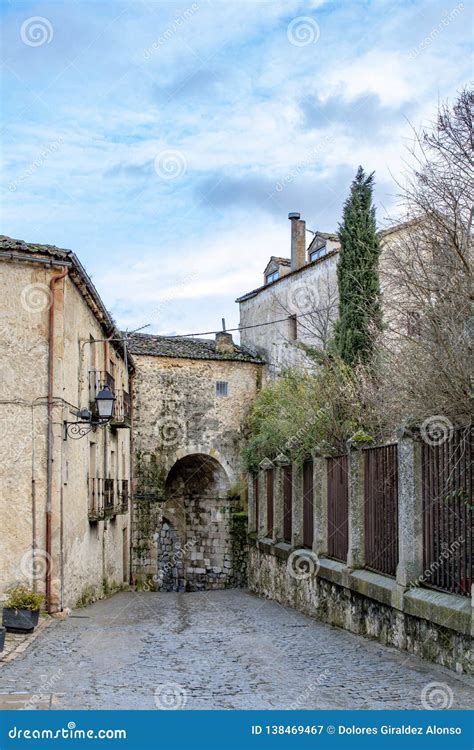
(197, 538)
(191, 397)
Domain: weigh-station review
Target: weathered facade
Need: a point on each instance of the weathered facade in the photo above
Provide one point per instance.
(190, 397)
(297, 303)
(63, 495)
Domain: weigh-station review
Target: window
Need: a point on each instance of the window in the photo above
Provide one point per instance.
(222, 388)
(293, 327)
(315, 254)
(272, 277)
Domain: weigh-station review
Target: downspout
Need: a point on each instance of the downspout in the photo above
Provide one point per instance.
(50, 439)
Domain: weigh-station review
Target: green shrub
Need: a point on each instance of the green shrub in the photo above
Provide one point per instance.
(301, 413)
(22, 597)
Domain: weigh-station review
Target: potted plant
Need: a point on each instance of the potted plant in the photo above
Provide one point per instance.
(21, 610)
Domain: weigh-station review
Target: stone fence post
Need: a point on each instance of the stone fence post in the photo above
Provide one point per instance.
(278, 490)
(297, 505)
(252, 507)
(320, 506)
(410, 511)
(356, 510)
(262, 504)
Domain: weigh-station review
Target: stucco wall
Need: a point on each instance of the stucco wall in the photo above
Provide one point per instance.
(311, 295)
(83, 554)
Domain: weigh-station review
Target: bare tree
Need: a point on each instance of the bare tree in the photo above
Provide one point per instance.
(312, 306)
(426, 275)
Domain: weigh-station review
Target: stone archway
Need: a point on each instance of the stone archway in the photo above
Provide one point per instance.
(197, 500)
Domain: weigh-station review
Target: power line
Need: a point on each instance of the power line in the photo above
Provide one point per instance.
(242, 328)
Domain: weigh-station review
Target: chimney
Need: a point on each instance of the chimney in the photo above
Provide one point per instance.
(298, 241)
(224, 341)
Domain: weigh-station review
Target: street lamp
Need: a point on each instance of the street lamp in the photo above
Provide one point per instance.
(104, 402)
(104, 407)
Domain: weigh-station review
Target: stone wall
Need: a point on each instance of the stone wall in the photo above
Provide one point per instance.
(399, 607)
(188, 473)
(272, 575)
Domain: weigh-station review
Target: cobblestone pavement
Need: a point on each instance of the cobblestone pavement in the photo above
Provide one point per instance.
(220, 649)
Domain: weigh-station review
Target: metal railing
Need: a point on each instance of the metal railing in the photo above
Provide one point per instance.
(447, 512)
(381, 508)
(338, 507)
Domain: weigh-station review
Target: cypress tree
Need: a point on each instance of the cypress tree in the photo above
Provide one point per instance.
(357, 272)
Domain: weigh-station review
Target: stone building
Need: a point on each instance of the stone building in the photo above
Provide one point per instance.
(190, 399)
(64, 489)
(298, 300)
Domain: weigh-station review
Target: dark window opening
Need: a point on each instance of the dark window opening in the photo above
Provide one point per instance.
(222, 388)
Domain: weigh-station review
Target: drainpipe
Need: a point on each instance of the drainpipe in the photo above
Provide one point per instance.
(50, 438)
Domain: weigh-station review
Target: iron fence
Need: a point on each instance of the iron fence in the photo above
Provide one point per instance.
(338, 507)
(287, 503)
(381, 508)
(447, 513)
(308, 510)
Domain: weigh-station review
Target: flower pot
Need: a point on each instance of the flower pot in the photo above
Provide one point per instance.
(2, 638)
(19, 620)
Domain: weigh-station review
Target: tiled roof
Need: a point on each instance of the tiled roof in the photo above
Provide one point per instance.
(186, 348)
(281, 261)
(19, 250)
(300, 270)
(10, 245)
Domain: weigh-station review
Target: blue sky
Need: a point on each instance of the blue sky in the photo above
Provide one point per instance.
(165, 143)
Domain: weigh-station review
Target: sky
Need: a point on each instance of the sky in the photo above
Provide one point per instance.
(165, 143)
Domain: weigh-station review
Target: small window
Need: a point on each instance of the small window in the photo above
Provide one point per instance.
(222, 388)
(293, 327)
(317, 253)
(272, 277)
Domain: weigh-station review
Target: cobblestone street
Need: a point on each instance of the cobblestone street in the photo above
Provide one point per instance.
(220, 649)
